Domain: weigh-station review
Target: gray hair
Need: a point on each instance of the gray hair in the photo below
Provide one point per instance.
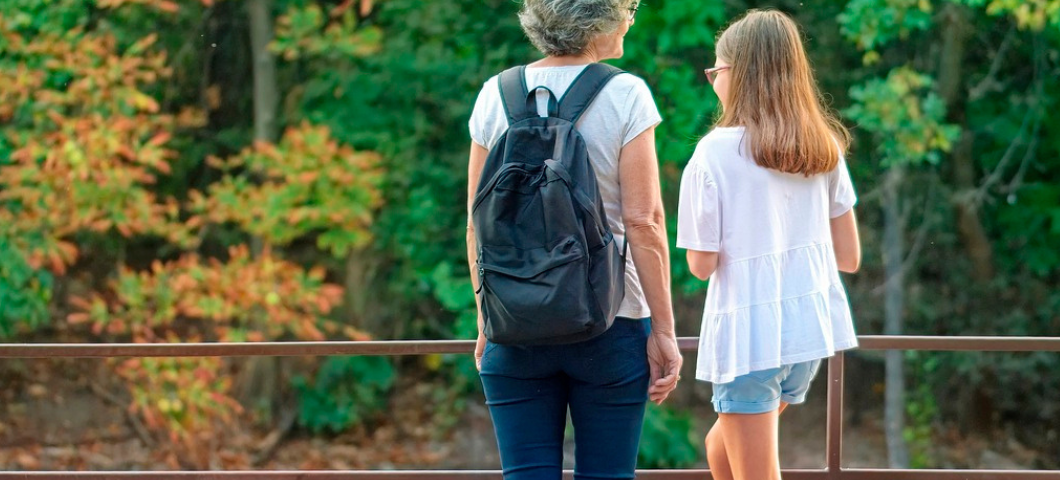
(566, 27)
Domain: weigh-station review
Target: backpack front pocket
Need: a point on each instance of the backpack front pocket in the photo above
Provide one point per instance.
(531, 295)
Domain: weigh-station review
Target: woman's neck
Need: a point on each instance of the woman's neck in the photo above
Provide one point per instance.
(584, 58)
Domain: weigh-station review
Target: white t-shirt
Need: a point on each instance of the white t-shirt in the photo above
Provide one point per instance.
(621, 111)
(776, 297)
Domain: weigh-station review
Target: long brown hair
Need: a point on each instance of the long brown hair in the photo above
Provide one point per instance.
(772, 92)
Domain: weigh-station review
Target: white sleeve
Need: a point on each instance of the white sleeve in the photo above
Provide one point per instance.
(488, 121)
(698, 212)
(642, 113)
(840, 190)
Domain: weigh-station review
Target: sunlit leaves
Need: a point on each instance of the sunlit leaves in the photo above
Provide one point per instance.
(906, 116)
(1030, 14)
(166, 6)
(872, 24)
(308, 31)
(228, 296)
(244, 298)
(85, 150)
(308, 184)
(187, 398)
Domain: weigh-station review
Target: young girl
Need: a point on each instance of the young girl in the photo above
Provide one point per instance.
(766, 214)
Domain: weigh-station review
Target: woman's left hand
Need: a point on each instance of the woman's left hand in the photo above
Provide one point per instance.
(480, 347)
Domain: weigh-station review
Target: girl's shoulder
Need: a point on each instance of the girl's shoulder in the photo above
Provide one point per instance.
(716, 145)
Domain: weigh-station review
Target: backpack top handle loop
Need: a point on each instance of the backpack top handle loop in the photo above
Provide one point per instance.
(531, 102)
(520, 105)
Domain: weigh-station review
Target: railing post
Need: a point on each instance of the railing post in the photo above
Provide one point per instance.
(834, 418)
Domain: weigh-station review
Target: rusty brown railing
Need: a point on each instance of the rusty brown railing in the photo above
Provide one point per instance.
(834, 428)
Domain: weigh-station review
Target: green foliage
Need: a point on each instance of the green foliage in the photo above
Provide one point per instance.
(230, 296)
(345, 391)
(669, 46)
(24, 292)
(907, 118)
(921, 409)
(302, 32)
(126, 157)
(872, 24)
(668, 439)
(306, 184)
(1029, 14)
(183, 397)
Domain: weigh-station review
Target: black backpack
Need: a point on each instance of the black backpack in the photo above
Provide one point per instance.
(549, 270)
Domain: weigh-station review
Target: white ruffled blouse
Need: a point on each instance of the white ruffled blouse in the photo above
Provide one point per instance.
(776, 297)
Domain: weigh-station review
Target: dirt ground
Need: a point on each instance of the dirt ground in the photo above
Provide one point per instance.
(69, 416)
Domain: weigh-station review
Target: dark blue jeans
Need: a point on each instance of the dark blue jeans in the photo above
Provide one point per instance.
(604, 383)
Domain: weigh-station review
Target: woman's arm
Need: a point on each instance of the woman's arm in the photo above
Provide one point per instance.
(645, 221)
(474, 171)
(845, 242)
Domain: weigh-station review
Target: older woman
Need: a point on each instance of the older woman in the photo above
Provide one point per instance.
(604, 382)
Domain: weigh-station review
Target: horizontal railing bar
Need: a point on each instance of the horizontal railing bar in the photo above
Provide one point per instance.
(887, 474)
(362, 475)
(965, 344)
(689, 474)
(426, 347)
(248, 349)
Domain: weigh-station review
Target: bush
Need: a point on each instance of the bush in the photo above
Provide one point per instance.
(25, 291)
(345, 391)
(667, 440)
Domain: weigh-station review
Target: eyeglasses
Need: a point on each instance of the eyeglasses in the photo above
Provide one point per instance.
(712, 73)
(633, 10)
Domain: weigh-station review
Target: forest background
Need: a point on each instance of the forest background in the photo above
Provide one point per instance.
(249, 170)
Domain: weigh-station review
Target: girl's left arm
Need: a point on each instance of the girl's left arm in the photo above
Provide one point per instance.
(702, 264)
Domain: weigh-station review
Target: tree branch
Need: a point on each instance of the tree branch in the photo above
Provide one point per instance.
(989, 82)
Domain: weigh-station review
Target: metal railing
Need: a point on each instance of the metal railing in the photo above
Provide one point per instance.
(834, 421)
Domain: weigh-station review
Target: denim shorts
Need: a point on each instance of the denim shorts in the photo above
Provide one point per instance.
(763, 390)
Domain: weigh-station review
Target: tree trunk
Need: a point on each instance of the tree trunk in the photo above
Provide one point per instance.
(262, 385)
(266, 92)
(976, 241)
(361, 312)
(956, 30)
(894, 305)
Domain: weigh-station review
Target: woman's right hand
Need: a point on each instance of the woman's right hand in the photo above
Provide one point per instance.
(664, 362)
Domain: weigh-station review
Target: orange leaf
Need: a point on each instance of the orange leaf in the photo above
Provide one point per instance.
(167, 6)
(77, 318)
(68, 249)
(159, 139)
(79, 302)
(163, 167)
(57, 264)
(354, 334)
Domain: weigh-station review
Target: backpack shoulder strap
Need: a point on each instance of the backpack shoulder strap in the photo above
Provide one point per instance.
(512, 84)
(584, 90)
